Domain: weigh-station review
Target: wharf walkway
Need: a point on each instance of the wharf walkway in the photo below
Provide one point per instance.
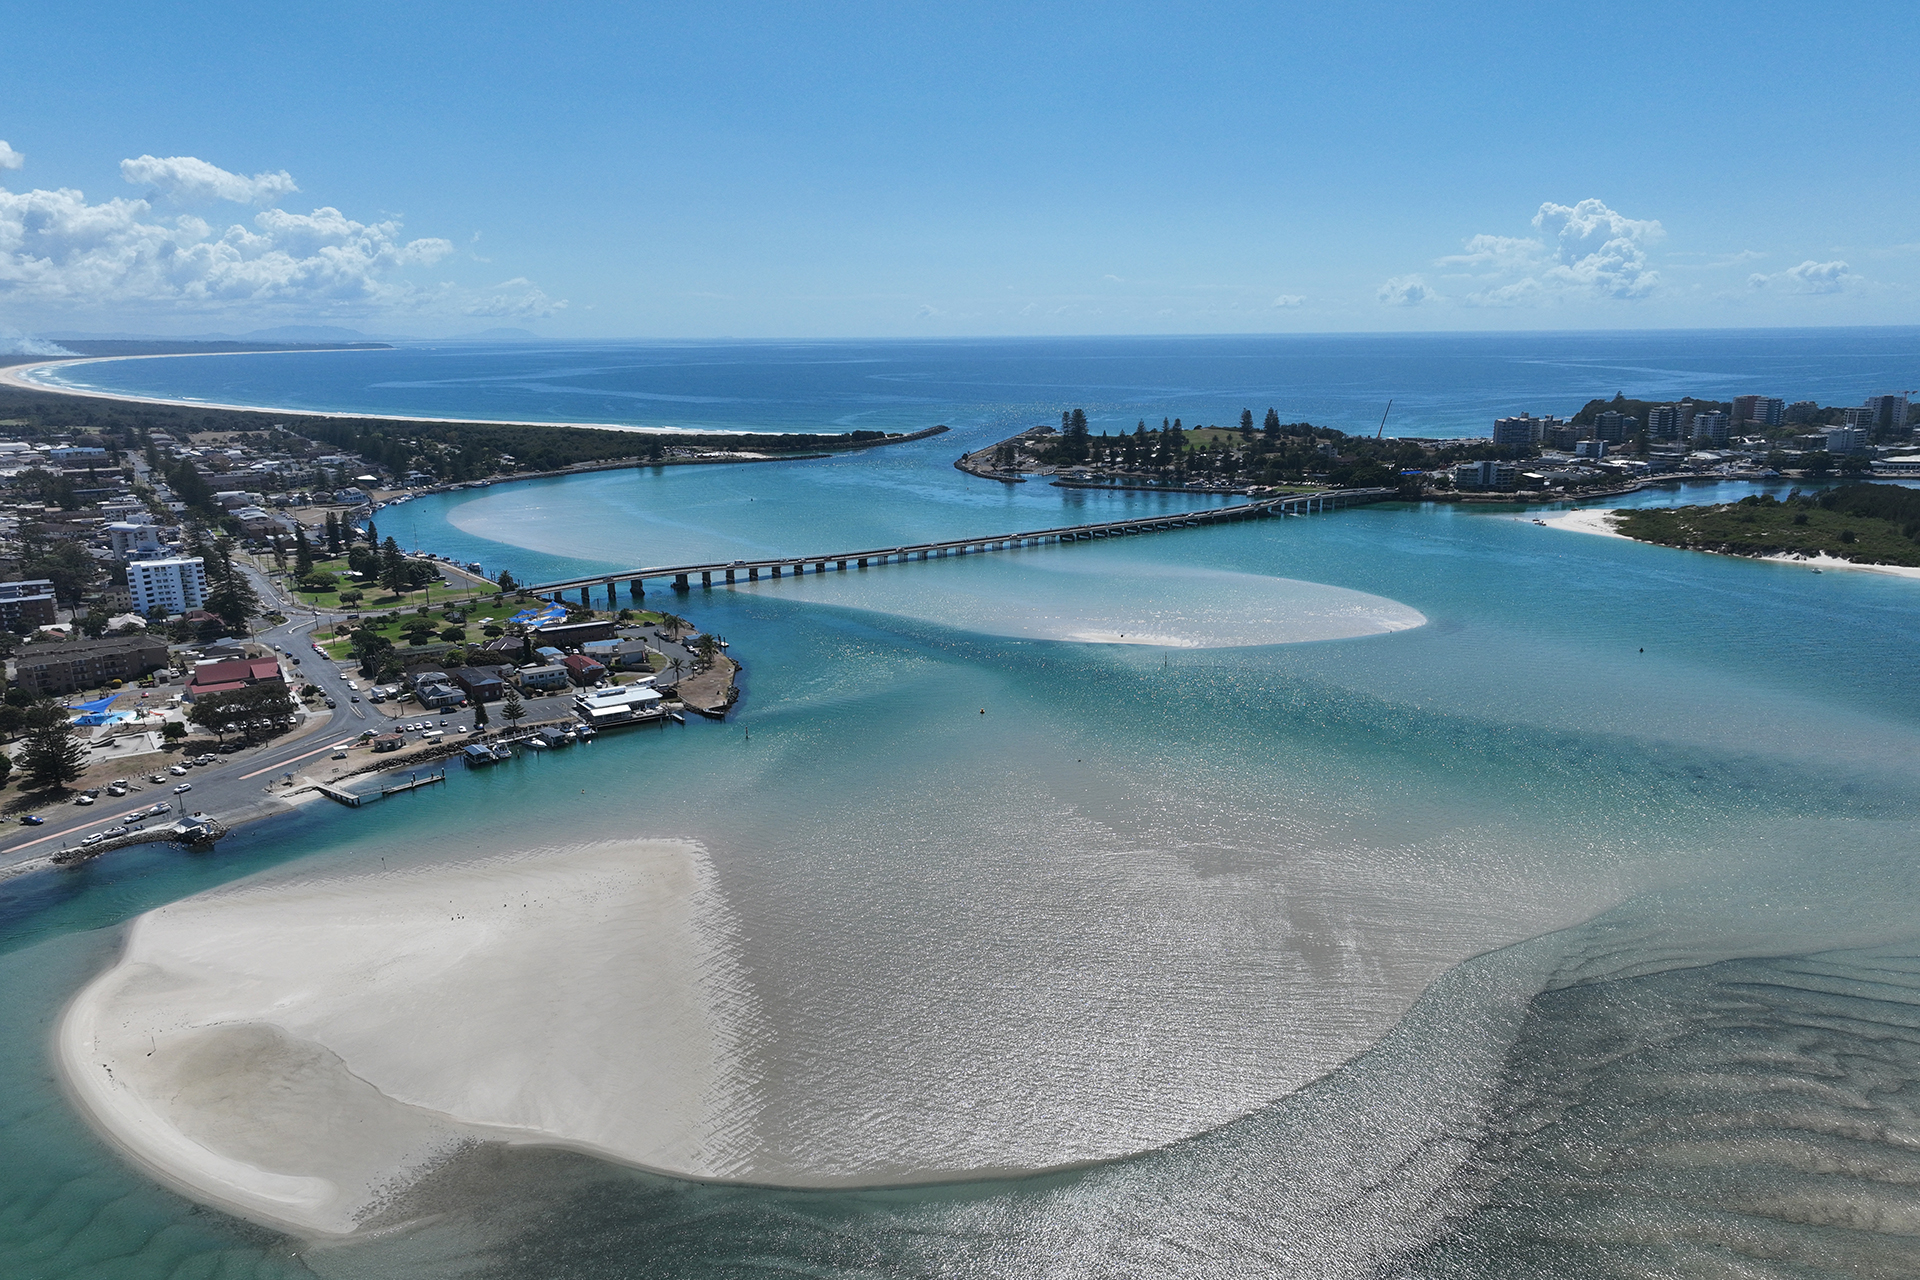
(681, 575)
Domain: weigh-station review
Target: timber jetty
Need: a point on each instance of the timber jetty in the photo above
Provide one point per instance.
(681, 575)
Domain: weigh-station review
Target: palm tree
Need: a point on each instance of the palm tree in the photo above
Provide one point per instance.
(677, 666)
(675, 626)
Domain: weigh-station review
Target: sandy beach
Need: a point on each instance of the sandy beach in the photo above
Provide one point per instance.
(299, 1051)
(1597, 520)
(20, 376)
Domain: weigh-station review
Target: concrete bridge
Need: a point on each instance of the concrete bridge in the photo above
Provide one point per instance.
(681, 575)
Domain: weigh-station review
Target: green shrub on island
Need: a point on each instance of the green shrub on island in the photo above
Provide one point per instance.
(1863, 523)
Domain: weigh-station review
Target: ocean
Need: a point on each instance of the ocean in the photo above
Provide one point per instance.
(1568, 932)
(1439, 384)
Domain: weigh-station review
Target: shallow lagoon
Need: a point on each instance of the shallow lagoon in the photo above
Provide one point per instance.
(1153, 890)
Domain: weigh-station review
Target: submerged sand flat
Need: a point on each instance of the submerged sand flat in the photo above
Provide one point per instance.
(299, 1051)
(1049, 596)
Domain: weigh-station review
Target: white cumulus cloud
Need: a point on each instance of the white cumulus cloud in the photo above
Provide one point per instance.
(521, 300)
(1586, 251)
(9, 158)
(1287, 301)
(1809, 277)
(1405, 291)
(60, 251)
(188, 180)
(1486, 253)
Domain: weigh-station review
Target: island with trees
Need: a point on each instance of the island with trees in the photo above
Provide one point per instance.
(1859, 523)
(1174, 456)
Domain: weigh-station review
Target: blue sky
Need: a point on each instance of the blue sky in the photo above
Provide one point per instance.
(849, 170)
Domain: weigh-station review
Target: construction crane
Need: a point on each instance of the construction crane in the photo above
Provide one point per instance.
(1383, 421)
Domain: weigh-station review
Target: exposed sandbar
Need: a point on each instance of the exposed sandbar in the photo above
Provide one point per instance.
(300, 1051)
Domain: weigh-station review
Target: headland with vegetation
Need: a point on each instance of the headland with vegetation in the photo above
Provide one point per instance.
(1860, 523)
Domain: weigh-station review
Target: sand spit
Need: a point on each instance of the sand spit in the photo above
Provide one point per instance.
(299, 1052)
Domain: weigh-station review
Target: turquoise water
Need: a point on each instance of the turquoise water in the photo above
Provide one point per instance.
(1568, 933)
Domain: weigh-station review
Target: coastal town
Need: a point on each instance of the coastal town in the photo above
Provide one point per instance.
(214, 625)
(210, 601)
(1607, 447)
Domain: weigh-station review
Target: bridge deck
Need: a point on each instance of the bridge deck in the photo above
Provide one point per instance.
(1293, 504)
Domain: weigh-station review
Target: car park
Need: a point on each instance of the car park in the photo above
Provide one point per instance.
(183, 787)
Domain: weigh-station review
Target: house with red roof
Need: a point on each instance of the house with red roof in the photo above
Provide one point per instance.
(227, 677)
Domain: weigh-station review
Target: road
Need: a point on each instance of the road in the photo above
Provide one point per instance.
(238, 782)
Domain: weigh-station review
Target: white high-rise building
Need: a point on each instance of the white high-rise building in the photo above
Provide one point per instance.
(172, 586)
(136, 540)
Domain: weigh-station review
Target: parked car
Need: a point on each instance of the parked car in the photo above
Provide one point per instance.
(180, 770)
(183, 787)
(83, 799)
(95, 838)
(112, 832)
(161, 777)
(33, 820)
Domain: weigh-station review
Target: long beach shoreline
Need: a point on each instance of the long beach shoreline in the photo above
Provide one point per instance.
(19, 377)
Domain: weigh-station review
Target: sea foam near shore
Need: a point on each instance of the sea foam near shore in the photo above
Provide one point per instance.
(298, 1052)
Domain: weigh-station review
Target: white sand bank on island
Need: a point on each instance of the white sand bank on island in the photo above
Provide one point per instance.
(1824, 562)
(299, 1052)
(1585, 520)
